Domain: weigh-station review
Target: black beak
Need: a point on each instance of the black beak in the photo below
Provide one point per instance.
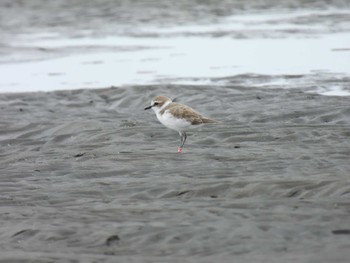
(147, 108)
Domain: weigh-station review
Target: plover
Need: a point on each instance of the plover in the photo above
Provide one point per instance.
(178, 117)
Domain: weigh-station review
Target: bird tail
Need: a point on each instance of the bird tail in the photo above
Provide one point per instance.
(208, 120)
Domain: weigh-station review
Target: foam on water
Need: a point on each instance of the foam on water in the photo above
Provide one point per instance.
(333, 91)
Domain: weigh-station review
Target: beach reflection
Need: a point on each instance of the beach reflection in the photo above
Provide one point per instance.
(261, 44)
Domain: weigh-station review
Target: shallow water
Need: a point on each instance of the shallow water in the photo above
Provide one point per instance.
(172, 60)
(271, 42)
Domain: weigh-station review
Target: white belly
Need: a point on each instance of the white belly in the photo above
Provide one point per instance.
(168, 120)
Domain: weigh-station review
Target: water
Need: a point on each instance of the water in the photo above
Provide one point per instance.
(273, 44)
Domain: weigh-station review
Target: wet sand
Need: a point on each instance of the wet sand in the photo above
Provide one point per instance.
(89, 176)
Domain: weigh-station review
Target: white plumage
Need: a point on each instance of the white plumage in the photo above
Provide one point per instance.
(177, 117)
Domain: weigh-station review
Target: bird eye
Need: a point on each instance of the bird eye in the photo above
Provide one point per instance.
(156, 103)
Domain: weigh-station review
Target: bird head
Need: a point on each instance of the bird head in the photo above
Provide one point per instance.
(158, 103)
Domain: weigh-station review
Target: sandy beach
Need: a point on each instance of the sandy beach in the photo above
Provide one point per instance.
(89, 176)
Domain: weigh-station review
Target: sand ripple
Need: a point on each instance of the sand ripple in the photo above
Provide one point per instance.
(89, 175)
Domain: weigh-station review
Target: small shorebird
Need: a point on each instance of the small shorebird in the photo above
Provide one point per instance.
(177, 117)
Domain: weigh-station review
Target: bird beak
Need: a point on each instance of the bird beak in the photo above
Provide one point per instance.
(147, 108)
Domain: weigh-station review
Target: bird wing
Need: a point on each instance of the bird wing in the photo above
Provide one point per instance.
(182, 111)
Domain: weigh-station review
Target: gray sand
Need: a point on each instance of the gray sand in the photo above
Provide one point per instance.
(89, 176)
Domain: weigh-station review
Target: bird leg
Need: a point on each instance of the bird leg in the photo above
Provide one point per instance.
(183, 137)
(179, 150)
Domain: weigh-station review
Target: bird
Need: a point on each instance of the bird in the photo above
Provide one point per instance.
(178, 117)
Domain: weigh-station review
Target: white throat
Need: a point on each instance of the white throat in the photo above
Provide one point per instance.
(157, 110)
